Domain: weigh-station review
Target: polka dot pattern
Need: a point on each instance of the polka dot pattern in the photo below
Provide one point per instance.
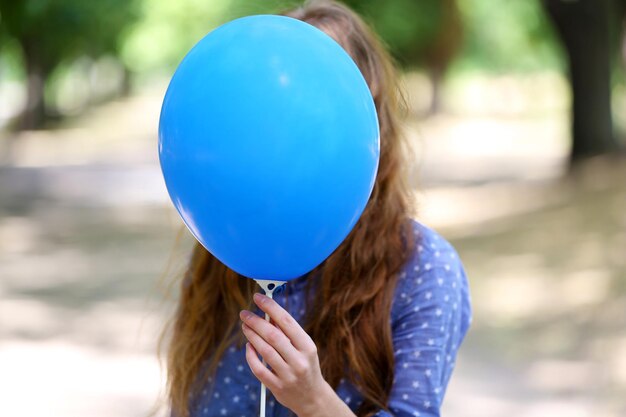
(431, 313)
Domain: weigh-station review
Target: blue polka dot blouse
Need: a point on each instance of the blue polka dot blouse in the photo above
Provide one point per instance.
(430, 316)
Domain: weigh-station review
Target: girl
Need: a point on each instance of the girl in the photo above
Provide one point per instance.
(373, 331)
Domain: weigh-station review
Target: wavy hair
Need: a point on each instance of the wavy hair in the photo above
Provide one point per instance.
(348, 317)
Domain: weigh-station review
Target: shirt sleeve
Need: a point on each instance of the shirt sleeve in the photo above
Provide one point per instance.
(430, 317)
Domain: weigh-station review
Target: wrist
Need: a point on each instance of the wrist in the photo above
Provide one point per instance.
(318, 405)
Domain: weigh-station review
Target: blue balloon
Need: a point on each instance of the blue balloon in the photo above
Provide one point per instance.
(269, 145)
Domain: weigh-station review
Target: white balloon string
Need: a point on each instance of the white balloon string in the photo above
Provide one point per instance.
(269, 287)
(263, 388)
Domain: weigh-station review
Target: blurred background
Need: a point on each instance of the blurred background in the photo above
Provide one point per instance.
(518, 123)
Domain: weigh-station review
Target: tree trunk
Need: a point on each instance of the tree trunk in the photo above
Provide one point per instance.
(436, 79)
(127, 85)
(444, 48)
(34, 114)
(583, 26)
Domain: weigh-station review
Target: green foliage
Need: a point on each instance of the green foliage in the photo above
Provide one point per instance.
(514, 35)
(56, 30)
(408, 27)
(169, 28)
(11, 62)
(240, 8)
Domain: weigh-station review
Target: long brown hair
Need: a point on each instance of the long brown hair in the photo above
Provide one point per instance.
(349, 315)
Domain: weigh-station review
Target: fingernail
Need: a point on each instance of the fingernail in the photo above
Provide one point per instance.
(245, 314)
(260, 297)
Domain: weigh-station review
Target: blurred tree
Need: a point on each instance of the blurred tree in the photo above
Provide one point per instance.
(514, 37)
(168, 30)
(584, 28)
(420, 33)
(51, 32)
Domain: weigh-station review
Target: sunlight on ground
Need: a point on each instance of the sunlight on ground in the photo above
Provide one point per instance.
(74, 381)
(549, 297)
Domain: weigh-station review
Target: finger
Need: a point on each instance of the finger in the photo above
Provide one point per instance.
(273, 335)
(268, 353)
(290, 327)
(259, 370)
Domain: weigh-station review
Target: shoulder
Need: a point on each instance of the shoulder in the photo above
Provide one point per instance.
(433, 277)
(430, 254)
(431, 250)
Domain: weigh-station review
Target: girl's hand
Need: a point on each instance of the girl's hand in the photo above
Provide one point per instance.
(295, 378)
